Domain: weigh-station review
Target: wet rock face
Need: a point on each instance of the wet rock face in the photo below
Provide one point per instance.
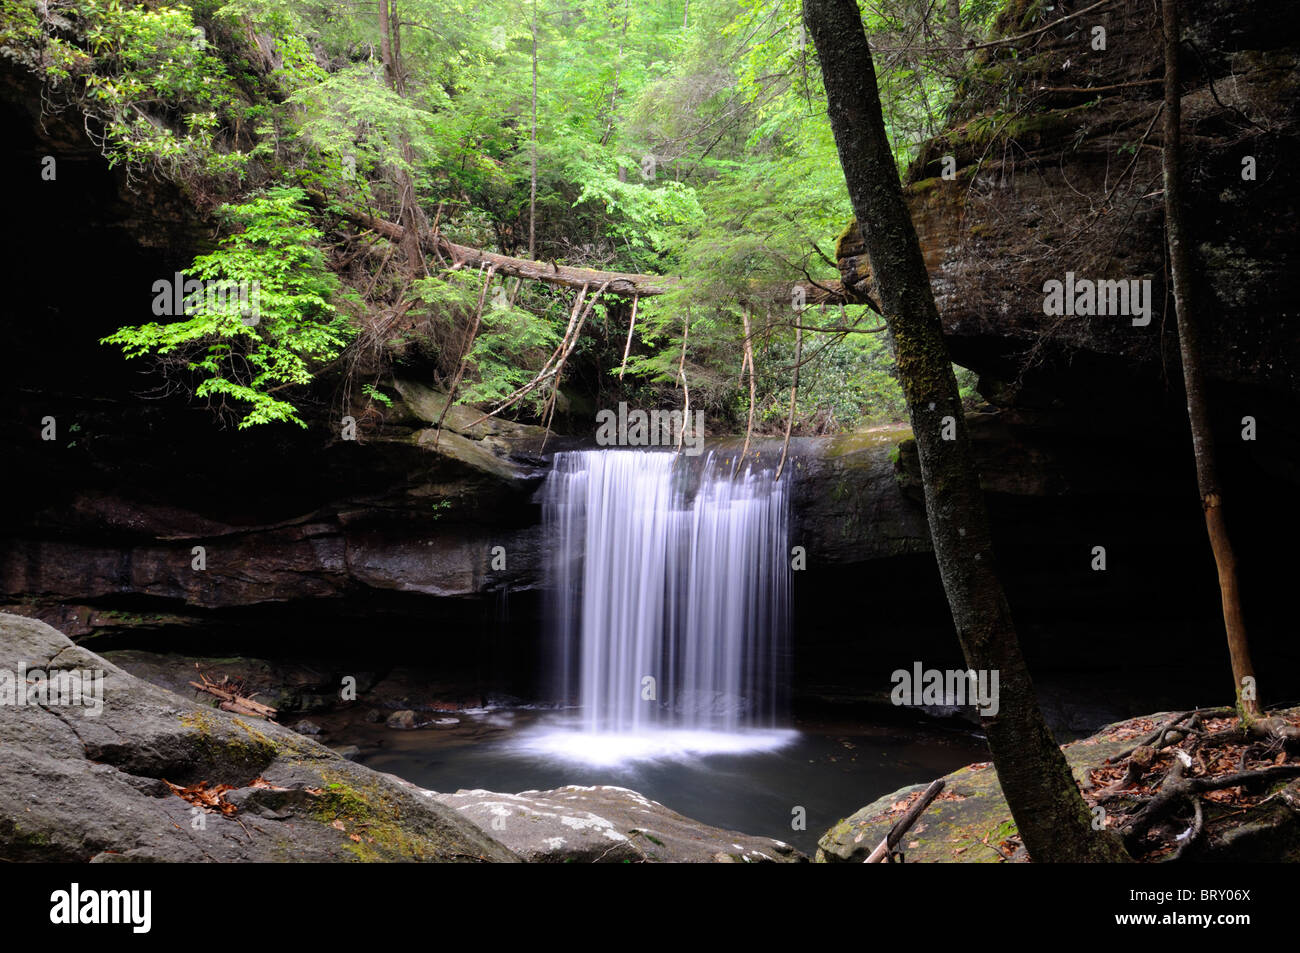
(108, 517)
(605, 824)
(1058, 484)
(238, 529)
(848, 505)
(289, 686)
(1050, 177)
(83, 786)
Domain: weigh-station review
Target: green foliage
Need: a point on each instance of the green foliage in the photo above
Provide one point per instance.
(639, 217)
(275, 258)
(456, 290)
(850, 385)
(697, 149)
(378, 396)
(355, 124)
(967, 386)
(509, 342)
(158, 88)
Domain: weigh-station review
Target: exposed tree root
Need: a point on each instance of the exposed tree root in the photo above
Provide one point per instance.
(631, 326)
(549, 411)
(1194, 832)
(1161, 737)
(794, 397)
(753, 386)
(1197, 753)
(549, 369)
(464, 357)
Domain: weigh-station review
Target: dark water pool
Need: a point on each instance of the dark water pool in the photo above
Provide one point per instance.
(827, 768)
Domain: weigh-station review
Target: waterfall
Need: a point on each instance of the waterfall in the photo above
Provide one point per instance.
(669, 591)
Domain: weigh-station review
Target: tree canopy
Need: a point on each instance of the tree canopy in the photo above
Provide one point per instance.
(678, 139)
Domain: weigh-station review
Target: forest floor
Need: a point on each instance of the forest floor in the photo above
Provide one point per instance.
(1128, 775)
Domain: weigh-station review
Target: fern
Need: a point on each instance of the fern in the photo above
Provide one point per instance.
(246, 359)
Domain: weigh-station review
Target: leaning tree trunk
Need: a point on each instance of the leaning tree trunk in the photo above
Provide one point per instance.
(1051, 815)
(1207, 475)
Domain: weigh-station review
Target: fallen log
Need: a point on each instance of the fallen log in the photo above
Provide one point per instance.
(239, 703)
(239, 708)
(904, 824)
(622, 283)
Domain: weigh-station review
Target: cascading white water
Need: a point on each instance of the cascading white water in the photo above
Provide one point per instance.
(670, 606)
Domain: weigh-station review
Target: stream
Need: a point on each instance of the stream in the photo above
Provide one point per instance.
(829, 768)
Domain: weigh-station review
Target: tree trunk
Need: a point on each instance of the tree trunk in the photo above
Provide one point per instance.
(1051, 815)
(953, 24)
(532, 186)
(618, 68)
(1207, 476)
(399, 72)
(386, 45)
(412, 218)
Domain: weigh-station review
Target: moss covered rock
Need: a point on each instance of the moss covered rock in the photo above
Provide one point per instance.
(970, 821)
(81, 786)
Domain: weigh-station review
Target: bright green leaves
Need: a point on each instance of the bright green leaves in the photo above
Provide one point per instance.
(639, 216)
(510, 341)
(699, 151)
(162, 94)
(453, 291)
(511, 338)
(262, 320)
(23, 37)
(354, 119)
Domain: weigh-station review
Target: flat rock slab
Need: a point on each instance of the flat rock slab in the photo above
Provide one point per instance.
(605, 824)
(76, 785)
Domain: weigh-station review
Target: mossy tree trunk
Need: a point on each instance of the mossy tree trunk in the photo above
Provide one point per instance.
(1050, 813)
(1198, 414)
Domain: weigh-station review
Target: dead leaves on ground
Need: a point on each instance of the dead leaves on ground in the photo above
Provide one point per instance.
(338, 825)
(212, 799)
(1229, 751)
(897, 810)
(1224, 758)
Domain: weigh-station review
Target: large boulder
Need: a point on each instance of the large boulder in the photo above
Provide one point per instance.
(970, 821)
(1045, 167)
(605, 824)
(76, 785)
